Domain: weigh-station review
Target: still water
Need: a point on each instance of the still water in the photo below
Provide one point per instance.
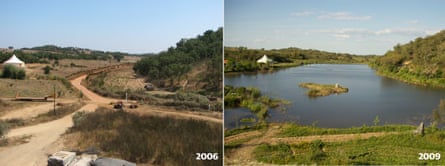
(369, 95)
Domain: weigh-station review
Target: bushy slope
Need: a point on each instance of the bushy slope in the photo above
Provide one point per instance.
(421, 61)
(171, 65)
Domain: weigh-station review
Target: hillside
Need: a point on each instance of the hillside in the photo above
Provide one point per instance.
(46, 53)
(196, 61)
(421, 61)
(241, 59)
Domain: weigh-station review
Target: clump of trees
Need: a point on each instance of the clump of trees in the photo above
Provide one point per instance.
(10, 71)
(244, 59)
(177, 61)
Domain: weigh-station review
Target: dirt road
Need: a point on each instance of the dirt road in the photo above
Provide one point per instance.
(89, 94)
(32, 111)
(43, 135)
(151, 110)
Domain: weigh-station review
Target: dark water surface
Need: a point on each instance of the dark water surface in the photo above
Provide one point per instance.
(369, 96)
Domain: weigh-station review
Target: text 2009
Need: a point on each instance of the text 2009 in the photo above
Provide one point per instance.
(429, 156)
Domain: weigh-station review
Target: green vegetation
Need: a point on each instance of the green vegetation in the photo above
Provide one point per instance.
(174, 63)
(317, 90)
(46, 69)
(250, 98)
(236, 144)
(10, 71)
(293, 130)
(420, 62)
(243, 129)
(148, 139)
(242, 59)
(4, 128)
(45, 53)
(438, 116)
(180, 100)
(400, 149)
(248, 120)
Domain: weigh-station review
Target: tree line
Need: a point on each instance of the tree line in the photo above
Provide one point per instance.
(43, 54)
(244, 59)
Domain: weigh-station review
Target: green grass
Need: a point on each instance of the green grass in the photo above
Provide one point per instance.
(259, 126)
(293, 130)
(248, 120)
(237, 143)
(399, 149)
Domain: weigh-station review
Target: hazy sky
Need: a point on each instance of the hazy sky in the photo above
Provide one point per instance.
(135, 26)
(349, 26)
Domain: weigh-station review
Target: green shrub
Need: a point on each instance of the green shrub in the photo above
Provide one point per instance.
(4, 128)
(10, 71)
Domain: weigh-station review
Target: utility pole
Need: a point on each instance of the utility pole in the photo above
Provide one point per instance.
(54, 95)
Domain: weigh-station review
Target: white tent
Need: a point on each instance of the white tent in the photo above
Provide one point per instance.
(14, 61)
(264, 59)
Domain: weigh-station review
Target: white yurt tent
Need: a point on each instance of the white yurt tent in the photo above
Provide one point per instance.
(264, 59)
(15, 62)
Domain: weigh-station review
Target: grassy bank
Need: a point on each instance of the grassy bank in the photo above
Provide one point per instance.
(147, 139)
(401, 146)
(390, 149)
(293, 130)
(317, 90)
(250, 98)
(414, 79)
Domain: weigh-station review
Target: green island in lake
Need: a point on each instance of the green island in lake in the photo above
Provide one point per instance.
(317, 90)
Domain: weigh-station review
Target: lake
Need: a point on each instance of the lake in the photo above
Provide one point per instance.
(370, 95)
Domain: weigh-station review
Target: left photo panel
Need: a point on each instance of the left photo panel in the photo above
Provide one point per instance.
(111, 83)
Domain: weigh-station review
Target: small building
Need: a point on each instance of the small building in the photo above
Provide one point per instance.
(264, 60)
(15, 62)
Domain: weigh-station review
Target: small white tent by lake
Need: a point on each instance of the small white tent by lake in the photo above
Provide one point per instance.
(264, 59)
(15, 62)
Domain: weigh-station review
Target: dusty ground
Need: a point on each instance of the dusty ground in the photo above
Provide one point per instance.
(124, 79)
(46, 136)
(43, 136)
(9, 88)
(244, 154)
(34, 110)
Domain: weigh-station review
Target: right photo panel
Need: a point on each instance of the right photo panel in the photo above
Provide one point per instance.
(334, 82)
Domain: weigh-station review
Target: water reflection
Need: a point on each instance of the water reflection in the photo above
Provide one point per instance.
(369, 96)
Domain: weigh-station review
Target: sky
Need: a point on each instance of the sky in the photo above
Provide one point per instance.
(136, 26)
(345, 26)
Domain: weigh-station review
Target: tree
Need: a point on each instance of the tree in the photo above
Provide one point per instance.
(118, 57)
(13, 72)
(46, 69)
